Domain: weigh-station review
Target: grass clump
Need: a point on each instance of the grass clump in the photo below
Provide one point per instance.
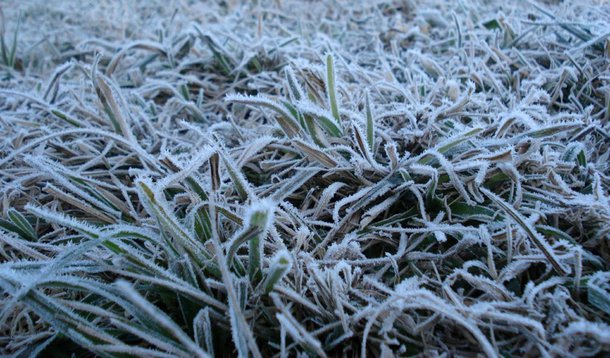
(345, 179)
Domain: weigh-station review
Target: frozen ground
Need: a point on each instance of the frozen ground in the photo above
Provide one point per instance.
(282, 178)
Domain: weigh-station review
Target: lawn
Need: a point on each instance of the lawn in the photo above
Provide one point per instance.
(304, 178)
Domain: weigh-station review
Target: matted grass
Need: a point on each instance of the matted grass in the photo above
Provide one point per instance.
(304, 178)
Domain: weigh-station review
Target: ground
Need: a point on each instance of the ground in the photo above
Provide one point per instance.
(324, 178)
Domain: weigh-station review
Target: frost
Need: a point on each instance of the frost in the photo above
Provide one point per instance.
(290, 178)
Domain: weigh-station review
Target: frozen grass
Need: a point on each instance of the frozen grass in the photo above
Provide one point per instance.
(321, 178)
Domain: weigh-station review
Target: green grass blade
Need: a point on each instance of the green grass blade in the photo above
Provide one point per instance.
(331, 88)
